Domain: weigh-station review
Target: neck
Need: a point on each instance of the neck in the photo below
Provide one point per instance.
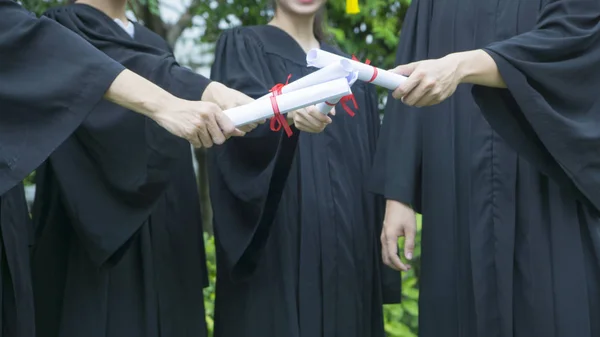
(113, 8)
(298, 27)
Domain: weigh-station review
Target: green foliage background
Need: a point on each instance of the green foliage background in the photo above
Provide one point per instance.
(372, 34)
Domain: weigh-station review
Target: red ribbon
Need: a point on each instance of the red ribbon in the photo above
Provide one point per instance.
(344, 101)
(278, 119)
(368, 62)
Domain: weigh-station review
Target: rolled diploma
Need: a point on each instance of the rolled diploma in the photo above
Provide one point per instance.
(332, 71)
(320, 58)
(325, 108)
(262, 108)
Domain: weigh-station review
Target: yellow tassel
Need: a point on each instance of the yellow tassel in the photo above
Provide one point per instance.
(352, 7)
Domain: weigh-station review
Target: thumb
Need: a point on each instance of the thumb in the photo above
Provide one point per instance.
(409, 242)
(405, 69)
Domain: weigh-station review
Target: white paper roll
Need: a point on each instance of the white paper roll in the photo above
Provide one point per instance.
(335, 70)
(262, 108)
(320, 58)
(325, 107)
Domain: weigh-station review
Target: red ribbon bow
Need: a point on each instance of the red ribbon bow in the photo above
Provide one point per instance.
(344, 101)
(278, 119)
(368, 62)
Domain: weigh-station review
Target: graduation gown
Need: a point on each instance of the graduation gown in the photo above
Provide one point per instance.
(50, 81)
(510, 208)
(314, 269)
(118, 245)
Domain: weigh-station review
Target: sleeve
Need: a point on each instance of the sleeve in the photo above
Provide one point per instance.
(248, 174)
(51, 80)
(391, 282)
(550, 111)
(161, 69)
(156, 64)
(396, 172)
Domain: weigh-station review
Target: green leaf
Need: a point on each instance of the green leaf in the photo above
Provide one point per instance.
(411, 307)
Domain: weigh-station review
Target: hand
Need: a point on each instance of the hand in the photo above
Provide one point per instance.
(429, 82)
(227, 98)
(201, 123)
(399, 221)
(310, 119)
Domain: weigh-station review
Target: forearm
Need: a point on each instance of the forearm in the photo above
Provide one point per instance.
(138, 94)
(478, 67)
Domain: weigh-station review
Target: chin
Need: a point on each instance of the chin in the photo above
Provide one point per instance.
(304, 7)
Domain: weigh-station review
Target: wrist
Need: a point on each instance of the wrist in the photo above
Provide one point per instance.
(158, 105)
(396, 203)
(469, 64)
(464, 62)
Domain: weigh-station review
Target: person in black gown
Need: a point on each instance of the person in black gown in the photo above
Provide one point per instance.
(51, 80)
(511, 209)
(118, 247)
(311, 268)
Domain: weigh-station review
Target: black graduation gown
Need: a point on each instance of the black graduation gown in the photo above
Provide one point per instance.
(50, 79)
(315, 270)
(508, 241)
(119, 246)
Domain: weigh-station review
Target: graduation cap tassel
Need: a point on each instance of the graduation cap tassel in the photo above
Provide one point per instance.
(352, 7)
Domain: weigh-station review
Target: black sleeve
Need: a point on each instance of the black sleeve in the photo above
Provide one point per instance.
(247, 174)
(397, 167)
(155, 64)
(550, 112)
(50, 80)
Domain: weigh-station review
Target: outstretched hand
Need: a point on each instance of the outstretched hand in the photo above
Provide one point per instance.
(429, 82)
(203, 124)
(227, 98)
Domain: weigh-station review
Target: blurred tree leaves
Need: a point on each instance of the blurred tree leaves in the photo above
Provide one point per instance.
(40, 6)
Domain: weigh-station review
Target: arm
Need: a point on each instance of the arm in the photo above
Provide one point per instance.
(478, 67)
(201, 123)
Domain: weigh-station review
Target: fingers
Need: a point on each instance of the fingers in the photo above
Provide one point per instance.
(248, 127)
(204, 137)
(214, 130)
(332, 112)
(223, 127)
(409, 241)
(195, 141)
(405, 69)
(238, 133)
(411, 83)
(389, 244)
(317, 117)
(311, 120)
(417, 94)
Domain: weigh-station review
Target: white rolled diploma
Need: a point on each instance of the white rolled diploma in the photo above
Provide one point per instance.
(320, 58)
(335, 70)
(298, 99)
(325, 107)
